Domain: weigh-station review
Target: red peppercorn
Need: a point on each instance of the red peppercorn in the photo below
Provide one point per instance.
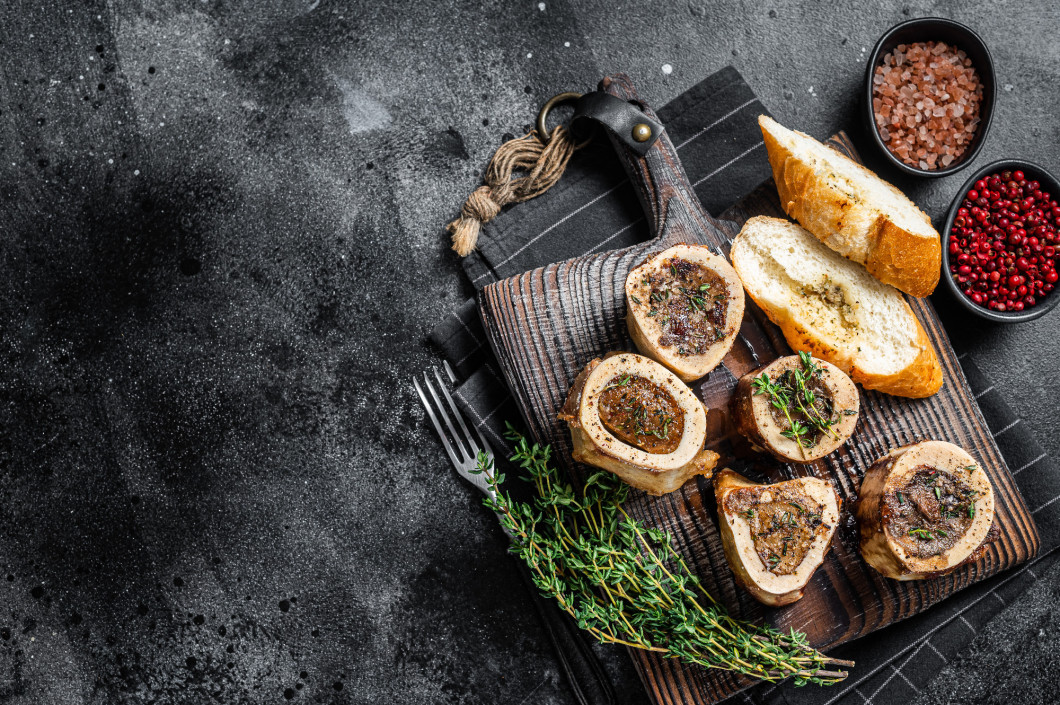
(1004, 242)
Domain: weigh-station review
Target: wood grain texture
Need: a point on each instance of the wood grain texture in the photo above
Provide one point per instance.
(546, 324)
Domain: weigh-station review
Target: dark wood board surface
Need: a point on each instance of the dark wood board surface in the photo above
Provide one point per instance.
(546, 324)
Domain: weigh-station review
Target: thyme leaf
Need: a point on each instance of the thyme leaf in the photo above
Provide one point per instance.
(808, 416)
(625, 583)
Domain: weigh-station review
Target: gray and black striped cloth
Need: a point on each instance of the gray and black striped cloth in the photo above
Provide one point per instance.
(594, 208)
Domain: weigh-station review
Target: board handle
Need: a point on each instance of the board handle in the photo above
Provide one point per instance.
(660, 179)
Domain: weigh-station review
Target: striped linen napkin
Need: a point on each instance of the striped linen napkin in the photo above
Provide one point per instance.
(594, 208)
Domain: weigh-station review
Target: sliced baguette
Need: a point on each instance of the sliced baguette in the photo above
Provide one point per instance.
(853, 211)
(831, 308)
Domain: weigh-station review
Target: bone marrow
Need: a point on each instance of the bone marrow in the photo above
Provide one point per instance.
(684, 307)
(797, 408)
(924, 510)
(641, 413)
(775, 536)
(632, 416)
(930, 512)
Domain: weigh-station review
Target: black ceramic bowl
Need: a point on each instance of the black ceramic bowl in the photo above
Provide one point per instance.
(955, 34)
(1049, 183)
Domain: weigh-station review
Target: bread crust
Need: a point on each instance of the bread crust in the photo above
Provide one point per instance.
(908, 261)
(922, 377)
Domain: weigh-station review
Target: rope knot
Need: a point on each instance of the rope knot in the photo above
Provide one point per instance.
(480, 205)
(544, 163)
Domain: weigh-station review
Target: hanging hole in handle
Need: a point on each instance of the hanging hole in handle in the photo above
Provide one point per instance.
(559, 99)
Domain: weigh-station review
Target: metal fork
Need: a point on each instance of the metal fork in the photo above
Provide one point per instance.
(463, 450)
(585, 675)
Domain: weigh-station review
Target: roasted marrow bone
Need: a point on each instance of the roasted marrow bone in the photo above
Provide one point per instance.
(797, 408)
(632, 416)
(684, 306)
(775, 536)
(924, 510)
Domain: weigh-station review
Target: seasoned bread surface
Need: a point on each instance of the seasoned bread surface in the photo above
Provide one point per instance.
(853, 211)
(833, 309)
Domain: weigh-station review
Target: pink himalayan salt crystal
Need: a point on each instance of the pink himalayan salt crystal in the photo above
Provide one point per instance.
(926, 98)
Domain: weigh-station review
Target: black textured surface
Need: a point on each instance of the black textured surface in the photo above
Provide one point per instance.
(222, 247)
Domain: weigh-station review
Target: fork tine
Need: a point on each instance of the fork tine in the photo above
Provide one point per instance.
(458, 441)
(434, 420)
(481, 439)
(469, 439)
(449, 372)
(485, 446)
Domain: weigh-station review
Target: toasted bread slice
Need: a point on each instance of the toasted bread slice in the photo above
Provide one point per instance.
(853, 211)
(833, 309)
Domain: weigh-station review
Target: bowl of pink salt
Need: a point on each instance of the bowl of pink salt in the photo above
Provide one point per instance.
(929, 96)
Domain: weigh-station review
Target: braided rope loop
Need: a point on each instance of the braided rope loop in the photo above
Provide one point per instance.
(543, 164)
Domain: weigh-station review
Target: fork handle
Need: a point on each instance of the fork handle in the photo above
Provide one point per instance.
(583, 670)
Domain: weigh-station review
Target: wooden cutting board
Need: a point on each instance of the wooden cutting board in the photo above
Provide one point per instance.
(546, 324)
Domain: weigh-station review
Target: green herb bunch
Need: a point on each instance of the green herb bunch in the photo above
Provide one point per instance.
(626, 584)
(808, 416)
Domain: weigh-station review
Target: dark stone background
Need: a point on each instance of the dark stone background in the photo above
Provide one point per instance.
(221, 241)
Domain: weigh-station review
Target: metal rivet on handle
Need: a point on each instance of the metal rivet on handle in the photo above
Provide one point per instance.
(641, 132)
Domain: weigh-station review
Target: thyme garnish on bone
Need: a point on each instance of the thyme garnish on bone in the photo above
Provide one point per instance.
(926, 534)
(790, 394)
(625, 583)
(622, 381)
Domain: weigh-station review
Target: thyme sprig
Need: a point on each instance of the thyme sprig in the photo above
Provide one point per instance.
(791, 395)
(625, 583)
(927, 534)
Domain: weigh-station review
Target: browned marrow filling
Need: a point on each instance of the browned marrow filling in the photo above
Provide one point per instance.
(642, 414)
(930, 513)
(822, 409)
(783, 528)
(690, 302)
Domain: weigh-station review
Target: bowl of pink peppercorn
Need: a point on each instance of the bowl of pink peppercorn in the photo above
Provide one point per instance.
(1001, 242)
